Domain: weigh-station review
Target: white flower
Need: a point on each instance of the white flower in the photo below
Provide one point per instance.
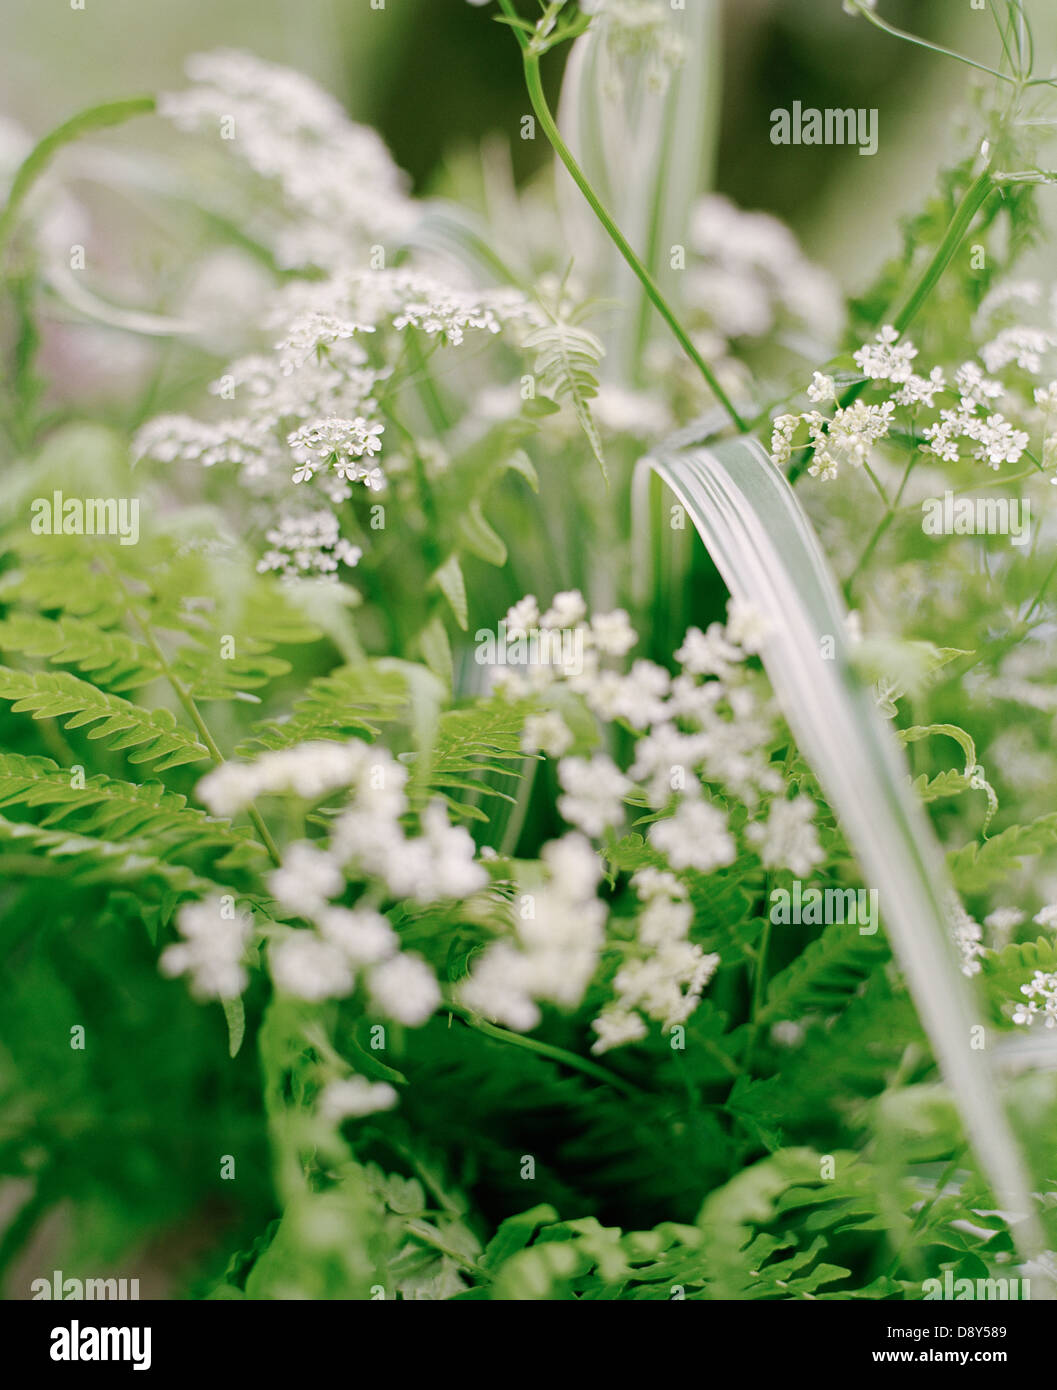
(340, 443)
(783, 427)
(356, 1096)
(664, 920)
(788, 840)
(364, 935)
(308, 967)
(211, 953)
(308, 769)
(500, 987)
(1046, 916)
(594, 792)
(341, 190)
(1023, 345)
(574, 866)
(708, 653)
(695, 837)
(615, 1027)
(306, 879)
(968, 937)
(975, 388)
(999, 441)
(919, 390)
(650, 882)
(1041, 990)
(454, 872)
(746, 625)
(308, 547)
(547, 732)
(567, 610)
(612, 633)
(523, 618)
(882, 360)
(405, 989)
(1004, 919)
(822, 388)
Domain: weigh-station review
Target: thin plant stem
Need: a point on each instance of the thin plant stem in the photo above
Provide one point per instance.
(94, 118)
(537, 97)
(882, 24)
(542, 1049)
(975, 196)
(191, 708)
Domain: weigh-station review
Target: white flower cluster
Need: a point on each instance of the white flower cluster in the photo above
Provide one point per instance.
(850, 433)
(1041, 993)
(309, 414)
(211, 954)
(754, 274)
(666, 979)
(641, 30)
(560, 934)
(307, 546)
(353, 1097)
(339, 183)
(705, 726)
(788, 839)
(367, 843)
(309, 770)
(968, 936)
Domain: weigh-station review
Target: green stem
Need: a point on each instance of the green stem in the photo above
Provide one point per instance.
(534, 84)
(975, 196)
(38, 159)
(193, 713)
(886, 28)
(880, 529)
(542, 1049)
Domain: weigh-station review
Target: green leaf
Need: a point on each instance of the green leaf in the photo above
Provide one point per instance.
(435, 647)
(767, 552)
(153, 734)
(977, 867)
(449, 579)
(235, 1017)
(566, 360)
(478, 536)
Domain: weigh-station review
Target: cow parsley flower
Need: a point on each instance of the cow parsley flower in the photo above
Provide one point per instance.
(306, 966)
(695, 837)
(304, 547)
(546, 732)
(594, 792)
(886, 359)
(289, 130)
(354, 1097)
(1041, 996)
(211, 953)
(362, 934)
(788, 839)
(405, 989)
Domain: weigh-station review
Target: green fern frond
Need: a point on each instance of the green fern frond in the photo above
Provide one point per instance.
(351, 701)
(153, 734)
(825, 974)
(106, 806)
(566, 361)
(110, 658)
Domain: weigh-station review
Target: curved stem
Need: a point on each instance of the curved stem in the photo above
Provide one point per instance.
(886, 28)
(542, 1049)
(534, 83)
(38, 159)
